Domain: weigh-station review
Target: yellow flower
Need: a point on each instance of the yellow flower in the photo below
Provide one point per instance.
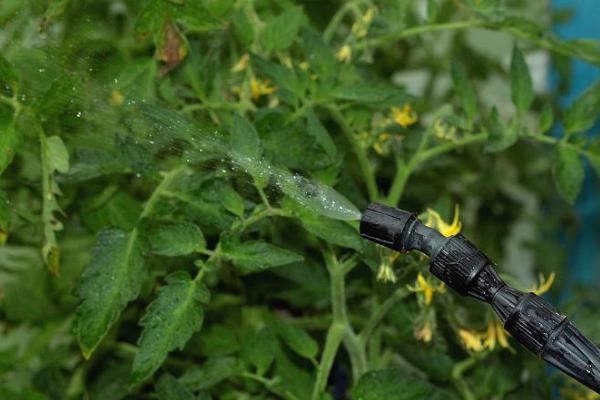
(444, 131)
(379, 144)
(386, 273)
(241, 64)
(344, 54)
(116, 97)
(360, 27)
(260, 87)
(368, 16)
(424, 332)
(495, 334)
(434, 220)
(287, 61)
(304, 66)
(404, 116)
(421, 285)
(470, 339)
(544, 284)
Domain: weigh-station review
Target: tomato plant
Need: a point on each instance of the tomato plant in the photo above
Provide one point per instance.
(181, 179)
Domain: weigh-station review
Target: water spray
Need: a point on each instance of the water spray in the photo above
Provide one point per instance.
(456, 261)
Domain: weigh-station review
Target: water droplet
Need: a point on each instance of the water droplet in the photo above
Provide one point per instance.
(79, 114)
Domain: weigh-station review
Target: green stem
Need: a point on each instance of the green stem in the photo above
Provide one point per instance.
(262, 214)
(418, 30)
(404, 170)
(333, 340)
(380, 313)
(337, 18)
(269, 384)
(543, 41)
(460, 368)
(356, 352)
(339, 331)
(359, 151)
(162, 188)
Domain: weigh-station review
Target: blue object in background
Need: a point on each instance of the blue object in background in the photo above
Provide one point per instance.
(584, 251)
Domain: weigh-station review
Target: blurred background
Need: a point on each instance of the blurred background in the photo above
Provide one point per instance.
(584, 249)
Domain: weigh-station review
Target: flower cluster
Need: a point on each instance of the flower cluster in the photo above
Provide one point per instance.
(427, 290)
(478, 341)
(434, 220)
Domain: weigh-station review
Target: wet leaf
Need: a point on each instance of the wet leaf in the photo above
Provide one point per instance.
(169, 322)
(176, 239)
(252, 256)
(111, 280)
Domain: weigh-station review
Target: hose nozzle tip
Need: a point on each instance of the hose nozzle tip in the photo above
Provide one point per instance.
(385, 225)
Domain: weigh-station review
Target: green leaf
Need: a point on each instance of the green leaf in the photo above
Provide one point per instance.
(151, 17)
(486, 7)
(10, 139)
(433, 9)
(260, 350)
(55, 10)
(110, 281)
(582, 114)
(546, 118)
(4, 218)
(244, 139)
(243, 27)
(373, 94)
(465, 91)
(318, 131)
(295, 379)
(500, 137)
(137, 81)
(319, 55)
(58, 156)
(232, 201)
(169, 322)
(520, 81)
(280, 32)
(258, 255)
(594, 155)
(333, 231)
(176, 239)
(217, 340)
(395, 384)
(169, 388)
(297, 339)
(8, 76)
(568, 173)
(213, 371)
(92, 163)
(286, 80)
(532, 31)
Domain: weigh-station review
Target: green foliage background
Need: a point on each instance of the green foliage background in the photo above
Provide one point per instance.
(136, 265)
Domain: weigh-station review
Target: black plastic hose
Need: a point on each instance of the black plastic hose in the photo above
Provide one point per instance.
(531, 320)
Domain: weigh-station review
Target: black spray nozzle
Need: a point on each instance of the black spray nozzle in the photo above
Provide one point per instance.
(536, 324)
